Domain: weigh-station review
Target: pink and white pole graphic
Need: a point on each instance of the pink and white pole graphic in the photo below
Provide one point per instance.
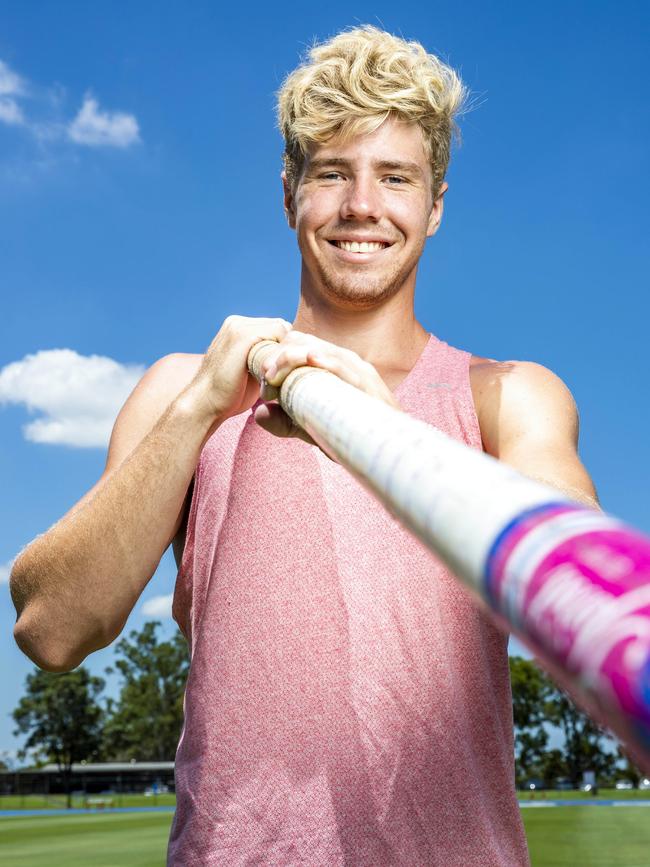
(575, 586)
(571, 583)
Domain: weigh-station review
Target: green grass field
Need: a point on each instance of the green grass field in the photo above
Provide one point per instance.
(106, 840)
(583, 836)
(58, 802)
(588, 836)
(573, 795)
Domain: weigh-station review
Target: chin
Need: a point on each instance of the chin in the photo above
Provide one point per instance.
(359, 291)
(359, 297)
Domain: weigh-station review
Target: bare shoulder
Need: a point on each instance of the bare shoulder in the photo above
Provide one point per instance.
(484, 376)
(158, 387)
(172, 373)
(513, 396)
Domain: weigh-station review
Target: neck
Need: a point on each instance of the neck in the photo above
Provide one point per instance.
(388, 336)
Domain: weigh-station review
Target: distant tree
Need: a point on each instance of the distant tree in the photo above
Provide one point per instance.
(62, 719)
(553, 767)
(538, 702)
(584, 740)
(531, 690)
(628, 770)
(146, 720)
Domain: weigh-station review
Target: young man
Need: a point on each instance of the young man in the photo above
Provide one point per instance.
(347, 702)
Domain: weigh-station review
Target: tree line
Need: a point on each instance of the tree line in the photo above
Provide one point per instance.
(65, 718)
(539, 705)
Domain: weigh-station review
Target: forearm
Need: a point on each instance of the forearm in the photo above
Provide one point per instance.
(75, 585)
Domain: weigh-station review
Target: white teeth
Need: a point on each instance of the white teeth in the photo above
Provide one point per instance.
(360, 246)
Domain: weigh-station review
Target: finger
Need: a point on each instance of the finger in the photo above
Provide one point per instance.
(269, 329)
(300, 338)
(257, 328)
(295, 336)
(336, 365)
(277, 366)
(361, 375)
(277, 422)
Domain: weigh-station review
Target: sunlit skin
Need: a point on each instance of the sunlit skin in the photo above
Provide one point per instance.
(355, 318)
(378, 187)
(375, 187)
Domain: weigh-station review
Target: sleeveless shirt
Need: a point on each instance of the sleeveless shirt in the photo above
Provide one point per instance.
(348, 703)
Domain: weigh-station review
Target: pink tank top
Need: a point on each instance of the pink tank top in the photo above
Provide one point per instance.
(347, 702)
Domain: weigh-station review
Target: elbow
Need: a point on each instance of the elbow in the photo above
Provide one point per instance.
(32, 630)
(57, 649)
(56, 632)
(44, 650)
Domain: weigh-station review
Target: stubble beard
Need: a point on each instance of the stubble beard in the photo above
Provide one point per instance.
(364, 289)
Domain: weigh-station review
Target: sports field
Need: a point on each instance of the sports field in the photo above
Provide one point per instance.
(101, 840)
(588, 836)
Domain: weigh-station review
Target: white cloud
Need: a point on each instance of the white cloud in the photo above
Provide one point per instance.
(92, 126)
(11, 84)
(158, 606)
(77, 396)
(95, 127)
(5, 569)
(10, 111)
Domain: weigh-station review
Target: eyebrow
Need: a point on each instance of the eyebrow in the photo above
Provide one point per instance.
(386, 165)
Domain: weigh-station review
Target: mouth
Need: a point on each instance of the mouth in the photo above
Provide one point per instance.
(360, 246)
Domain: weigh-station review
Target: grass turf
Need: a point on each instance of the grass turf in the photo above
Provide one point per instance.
(42, 802)
(127, 839)
(588, 836)
(58, 802)
(557, 836)
(576, 795)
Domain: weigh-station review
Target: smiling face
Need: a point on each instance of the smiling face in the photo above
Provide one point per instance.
(362, 210)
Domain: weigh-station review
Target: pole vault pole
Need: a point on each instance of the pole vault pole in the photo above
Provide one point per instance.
(572, 583)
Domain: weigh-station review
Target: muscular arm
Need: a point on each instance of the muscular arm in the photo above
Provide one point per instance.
(529, 420)
(74, 586)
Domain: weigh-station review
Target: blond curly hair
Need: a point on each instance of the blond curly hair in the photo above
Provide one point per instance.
(351, 84)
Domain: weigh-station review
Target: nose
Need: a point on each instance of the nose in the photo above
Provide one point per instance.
(362, 200)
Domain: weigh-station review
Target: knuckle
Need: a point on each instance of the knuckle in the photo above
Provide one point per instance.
(292, 355)
(232, 325)
(277, 359)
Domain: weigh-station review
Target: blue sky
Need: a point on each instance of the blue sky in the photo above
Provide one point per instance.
(140, 204)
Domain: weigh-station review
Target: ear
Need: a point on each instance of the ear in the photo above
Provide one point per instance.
(289, 202)
(436, 211)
